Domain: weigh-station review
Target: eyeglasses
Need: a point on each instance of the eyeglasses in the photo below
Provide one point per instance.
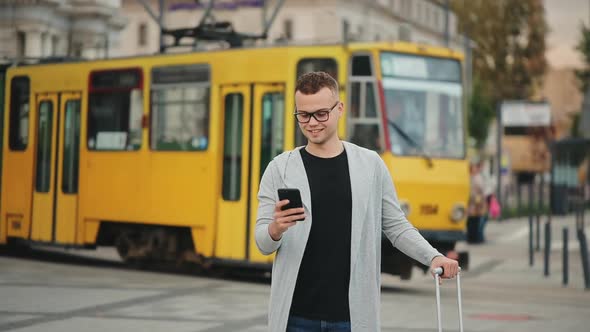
(320, 115)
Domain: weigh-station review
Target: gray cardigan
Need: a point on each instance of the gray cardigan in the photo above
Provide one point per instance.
(375, 208)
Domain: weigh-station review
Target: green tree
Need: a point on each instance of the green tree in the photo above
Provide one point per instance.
(480, 114)
(581, 119)
(575, 128)
(584, 48)
(509, 56)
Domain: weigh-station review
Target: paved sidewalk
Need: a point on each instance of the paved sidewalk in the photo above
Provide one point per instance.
(500, 293)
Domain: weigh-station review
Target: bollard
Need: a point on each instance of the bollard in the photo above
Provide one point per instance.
(518, 197)
(538, 246)
(530, 211)
(547, 247)
(538, 211)
(565, 257)
(531, 257)
(584, 256)
(578, 219)
(583, 244)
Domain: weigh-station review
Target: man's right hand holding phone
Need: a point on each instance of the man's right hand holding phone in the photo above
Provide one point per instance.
(283, 219)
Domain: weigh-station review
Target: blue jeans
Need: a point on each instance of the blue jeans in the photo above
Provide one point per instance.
(475, 229)
(299, 324)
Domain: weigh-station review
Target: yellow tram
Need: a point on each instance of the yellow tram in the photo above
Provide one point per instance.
(161, 155)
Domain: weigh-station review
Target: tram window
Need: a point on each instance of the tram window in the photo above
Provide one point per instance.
(361, 65)
(362, 91)
(71, 147)
(363, 123)
(273, 110)
(232, 147)
(19, 113)
(366, 135)
(370, 101)
(115, 110)
(180, 108)
(355, 100)
(44, 147)
(327, 65)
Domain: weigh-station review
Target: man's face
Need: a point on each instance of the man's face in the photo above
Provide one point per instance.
(319, 132)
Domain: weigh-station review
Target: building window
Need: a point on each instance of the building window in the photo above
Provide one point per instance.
(180, 108)
(54, 45)
(437, 19)
(360, 33)
(452, 24)
(405, 33)
(142, 34)
(19, 113)
(44, 44)
(20, 44)
(419, 13)
(406, 8)
(232, 147)
(288, 29)
(77, 50)
(364, 124)
(115, 110)
(398, 6)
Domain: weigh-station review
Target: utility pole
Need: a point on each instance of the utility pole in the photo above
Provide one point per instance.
(161, 24)
(158, 19)
(447, 31)
(263, 13)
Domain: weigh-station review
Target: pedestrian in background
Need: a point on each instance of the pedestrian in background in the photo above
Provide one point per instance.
(480, 197)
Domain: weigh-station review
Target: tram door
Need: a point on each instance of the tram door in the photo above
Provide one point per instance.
(55, 173)
(252, 133)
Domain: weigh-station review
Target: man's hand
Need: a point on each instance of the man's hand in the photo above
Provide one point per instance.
(450, 266)
(284, 219)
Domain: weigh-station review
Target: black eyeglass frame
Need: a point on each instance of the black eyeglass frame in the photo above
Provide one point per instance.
(310, 114)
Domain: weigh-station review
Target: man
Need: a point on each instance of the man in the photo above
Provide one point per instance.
(326, 274)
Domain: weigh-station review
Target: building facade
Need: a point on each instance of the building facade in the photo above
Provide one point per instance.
(297, 22)
(31, 29)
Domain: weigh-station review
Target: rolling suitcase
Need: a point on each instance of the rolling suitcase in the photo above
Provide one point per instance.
(437, 272)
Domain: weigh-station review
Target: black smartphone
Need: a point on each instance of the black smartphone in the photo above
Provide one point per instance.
(294, 197)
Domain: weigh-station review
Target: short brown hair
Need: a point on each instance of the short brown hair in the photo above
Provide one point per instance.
(314, 81)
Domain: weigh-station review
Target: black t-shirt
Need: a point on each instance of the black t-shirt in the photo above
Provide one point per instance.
(321, 291)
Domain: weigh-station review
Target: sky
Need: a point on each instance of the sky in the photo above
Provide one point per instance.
(565, 18)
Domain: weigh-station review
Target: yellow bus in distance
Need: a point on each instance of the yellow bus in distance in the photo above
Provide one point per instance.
(161, 156)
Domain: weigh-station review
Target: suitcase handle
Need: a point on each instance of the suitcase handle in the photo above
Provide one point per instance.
(437, 273)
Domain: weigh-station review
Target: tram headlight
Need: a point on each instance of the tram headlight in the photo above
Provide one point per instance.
(405, 206)
(458, 212)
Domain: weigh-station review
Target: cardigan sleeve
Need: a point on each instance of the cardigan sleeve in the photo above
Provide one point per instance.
(266, 208)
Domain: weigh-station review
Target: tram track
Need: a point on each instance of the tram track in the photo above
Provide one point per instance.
(79, 257)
